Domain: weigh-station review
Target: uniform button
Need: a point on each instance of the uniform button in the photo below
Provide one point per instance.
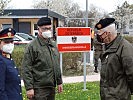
(15, 67)
(19, 75)
(19, 84)
(20, 93)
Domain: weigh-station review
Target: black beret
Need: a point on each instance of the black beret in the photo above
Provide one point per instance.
(104, 23)
(44, 21)
(7, 33)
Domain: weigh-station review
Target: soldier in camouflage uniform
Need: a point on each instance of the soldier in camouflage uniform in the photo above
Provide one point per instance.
(41, 70)
(116, 81)
(98, 49)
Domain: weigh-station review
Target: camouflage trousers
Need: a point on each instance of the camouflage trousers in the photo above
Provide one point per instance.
(97, 55)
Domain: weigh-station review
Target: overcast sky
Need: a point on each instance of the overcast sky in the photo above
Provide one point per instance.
(107, 5)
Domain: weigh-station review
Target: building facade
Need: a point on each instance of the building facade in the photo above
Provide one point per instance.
(25, 20)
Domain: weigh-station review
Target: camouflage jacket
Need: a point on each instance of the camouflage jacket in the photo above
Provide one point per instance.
(117, 71)
(41, 65)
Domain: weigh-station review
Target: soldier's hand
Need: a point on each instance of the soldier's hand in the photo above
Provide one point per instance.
(60, 88)
(30, 94)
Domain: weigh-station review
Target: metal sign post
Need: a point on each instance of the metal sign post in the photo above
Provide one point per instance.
(67, 41)
(85, 52)
(61, 63)
(74, 39)
(84, 72)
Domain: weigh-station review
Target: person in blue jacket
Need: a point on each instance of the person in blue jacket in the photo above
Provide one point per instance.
(10, 84)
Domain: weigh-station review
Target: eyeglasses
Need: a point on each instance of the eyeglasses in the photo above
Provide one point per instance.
(46, 28)
(101, 33)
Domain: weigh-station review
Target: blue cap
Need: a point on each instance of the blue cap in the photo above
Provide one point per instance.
(7, 33)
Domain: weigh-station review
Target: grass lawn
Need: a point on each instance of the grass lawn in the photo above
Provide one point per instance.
(75, 92)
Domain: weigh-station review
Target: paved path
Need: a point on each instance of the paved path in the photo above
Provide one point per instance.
(74, 79)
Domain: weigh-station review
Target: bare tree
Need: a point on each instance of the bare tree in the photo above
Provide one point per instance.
(73, 15)
(59, 6)
(3, 5)
(74, 11)
(122, 15)
(71, 10)
(94, 14)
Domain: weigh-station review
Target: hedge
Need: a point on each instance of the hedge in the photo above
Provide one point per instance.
(70, 65)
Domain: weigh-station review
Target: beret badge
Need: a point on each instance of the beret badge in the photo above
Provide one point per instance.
(99, 26)
(9, 34)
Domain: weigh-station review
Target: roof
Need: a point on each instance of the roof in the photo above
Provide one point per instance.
(29, 13)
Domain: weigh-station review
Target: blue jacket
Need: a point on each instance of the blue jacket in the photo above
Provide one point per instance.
(10, 84)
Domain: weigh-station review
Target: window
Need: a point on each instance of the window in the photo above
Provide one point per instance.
(35, 30)
(6, 26)
(35, 26)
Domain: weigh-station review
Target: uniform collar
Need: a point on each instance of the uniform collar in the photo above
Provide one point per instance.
(43, 41)
(5, 54)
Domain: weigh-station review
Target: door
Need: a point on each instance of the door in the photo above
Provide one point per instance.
(25, 27)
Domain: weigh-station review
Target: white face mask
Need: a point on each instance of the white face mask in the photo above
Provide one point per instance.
(47, 34)
(8, 48)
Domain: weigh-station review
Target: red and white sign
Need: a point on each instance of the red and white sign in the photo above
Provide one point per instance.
(73, 39)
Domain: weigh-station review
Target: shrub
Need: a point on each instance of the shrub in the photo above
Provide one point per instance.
(17, 56)
(129, 38)
(70, 63)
